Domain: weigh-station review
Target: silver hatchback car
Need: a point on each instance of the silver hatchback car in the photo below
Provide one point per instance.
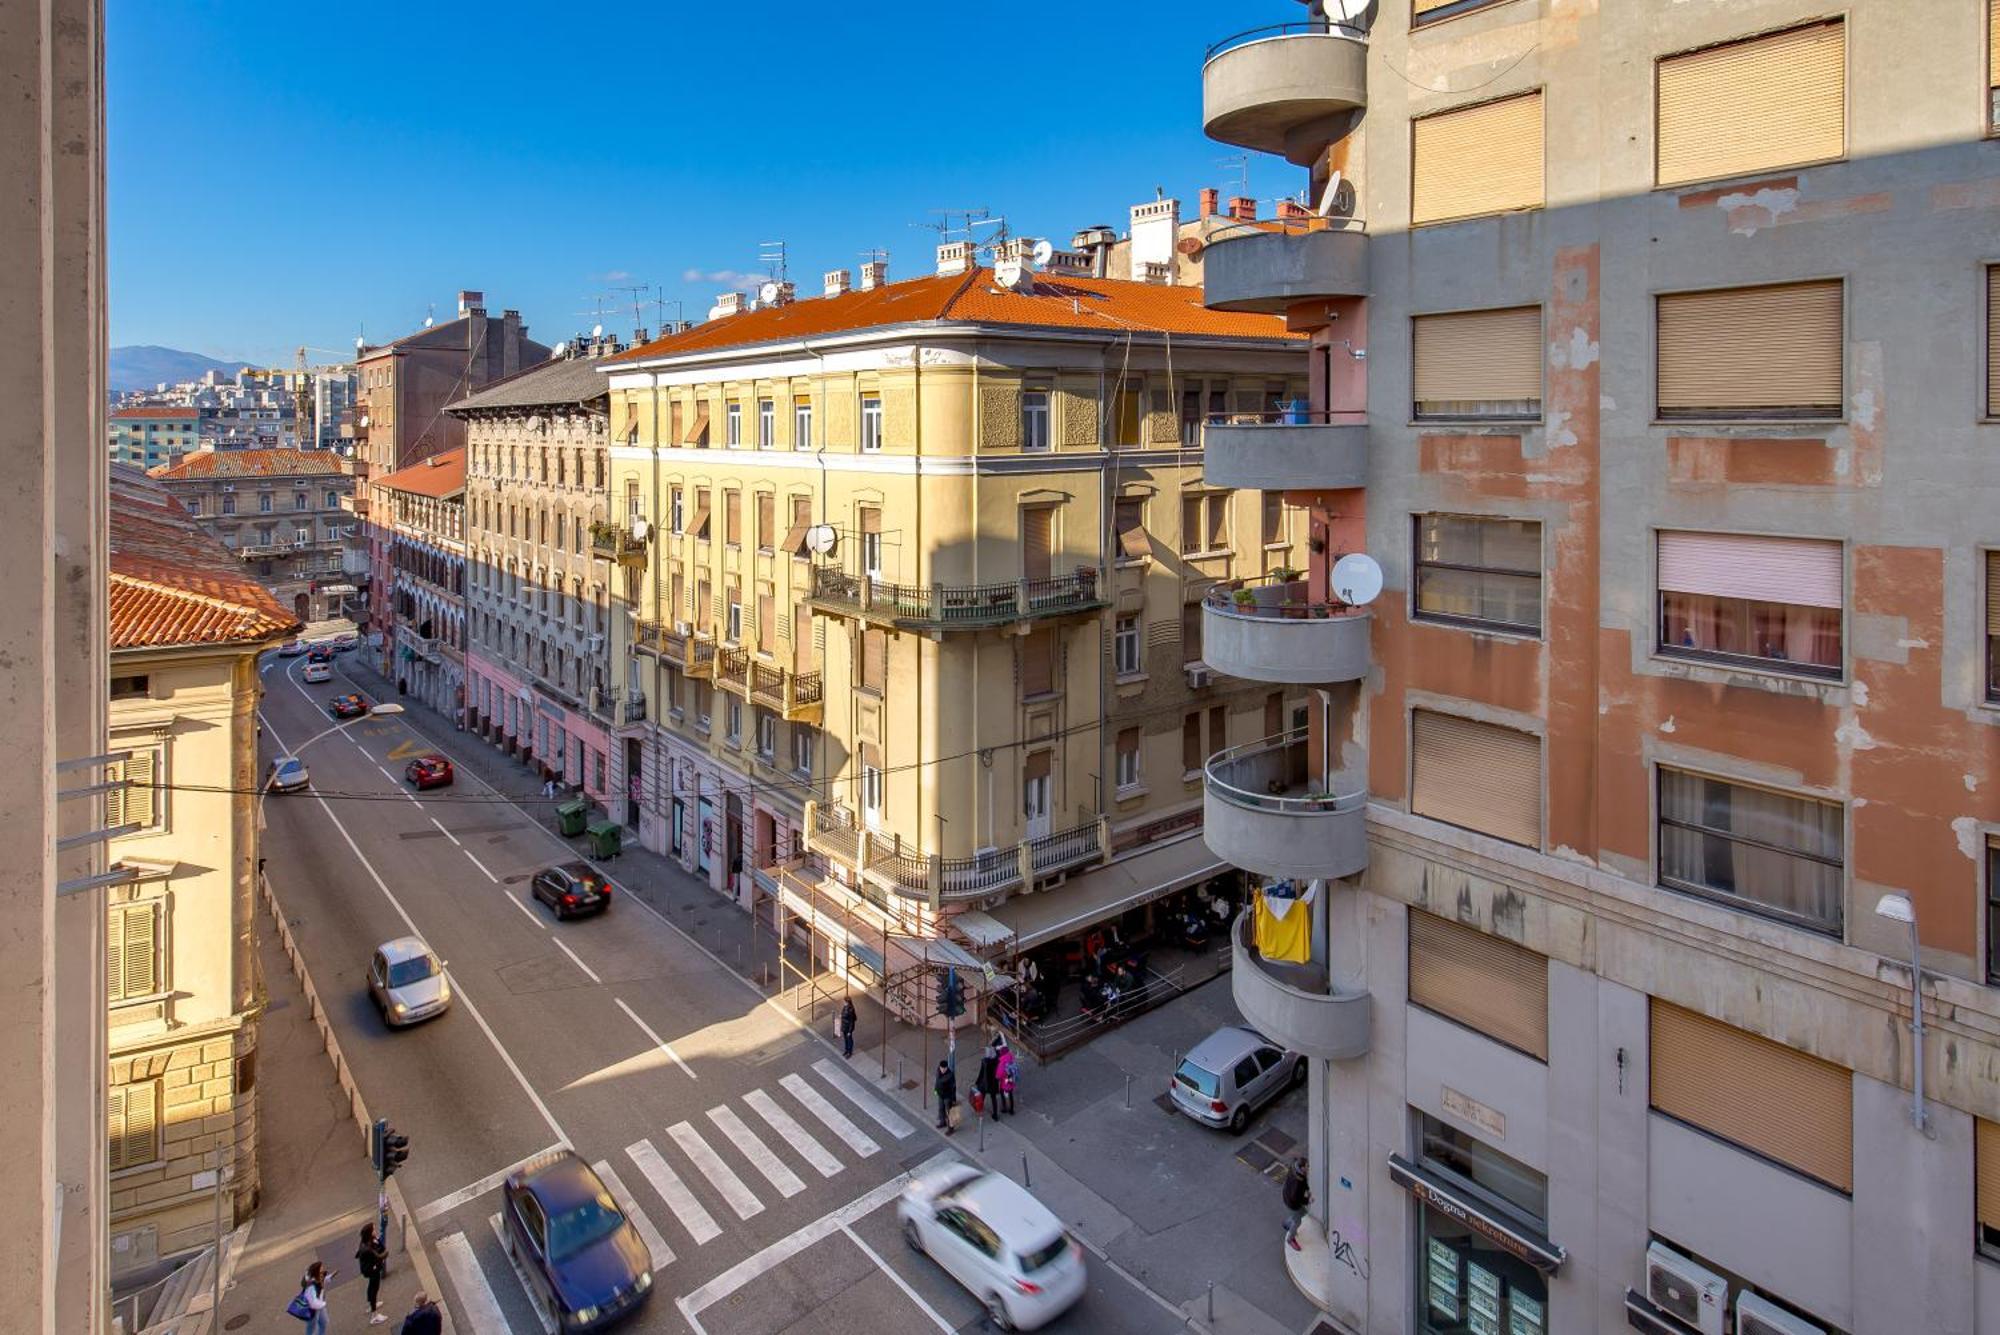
(407, 982)
(1232, 1073)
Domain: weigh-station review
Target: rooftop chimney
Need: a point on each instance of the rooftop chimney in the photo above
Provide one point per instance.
(729, 303)
(1155, 229)
(1211, 199)
(468, 302)
(954, 257)
(1242, 209)
(874, 274)
(1291, 208)
(837, 282)
(1095, 241)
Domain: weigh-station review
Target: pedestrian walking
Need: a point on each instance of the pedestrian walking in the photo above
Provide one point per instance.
(373, 1258)
(312, 1297)
(549, 789)
(1004, 1073)
(1297, 1195)
(986, 1085)
(424, 1318)
(847, 1022)
(945, 1086)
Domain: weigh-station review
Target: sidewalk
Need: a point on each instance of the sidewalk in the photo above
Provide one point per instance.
(1175, 1205)
(318, 1186)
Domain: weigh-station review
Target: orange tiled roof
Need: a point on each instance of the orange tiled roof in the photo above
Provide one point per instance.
(443, 474)
(158, 414)
(1106, 305)
(175, 584)
(250, 463)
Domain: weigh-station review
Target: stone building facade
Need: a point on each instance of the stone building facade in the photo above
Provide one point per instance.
(282, 513)
(426, 513)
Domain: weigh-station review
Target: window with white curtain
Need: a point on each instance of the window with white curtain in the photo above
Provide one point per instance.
(1771, 853)
(1751, 599)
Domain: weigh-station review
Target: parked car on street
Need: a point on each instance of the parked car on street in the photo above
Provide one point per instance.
(407, 982)
(316, 671)
(287, 775)
(1007, 1248)
(344, 642)
(1230, 1074)
(432, 771)
(351, 705)
(572, 888)
(322, 652)
(291, 648)
(585, 1264)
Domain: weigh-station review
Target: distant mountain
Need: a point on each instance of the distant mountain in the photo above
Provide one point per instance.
(143, 366)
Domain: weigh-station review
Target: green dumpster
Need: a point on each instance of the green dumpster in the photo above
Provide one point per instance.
(571, 816)
(604, 837)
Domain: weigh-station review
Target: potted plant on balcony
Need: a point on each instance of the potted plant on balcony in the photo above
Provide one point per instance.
(1245, 599)
(1292, 603)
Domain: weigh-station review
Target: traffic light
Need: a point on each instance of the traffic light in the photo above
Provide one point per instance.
(951, 999)
(387, 1150)
(375, 1137)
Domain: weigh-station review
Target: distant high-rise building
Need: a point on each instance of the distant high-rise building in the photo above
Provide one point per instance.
(149, 436)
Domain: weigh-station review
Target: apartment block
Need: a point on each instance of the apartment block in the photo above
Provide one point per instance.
(282, 513)
(1654, 364)
(426, 517)
(151, 437)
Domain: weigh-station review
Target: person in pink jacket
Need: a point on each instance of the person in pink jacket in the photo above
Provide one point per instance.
(1004, 1074)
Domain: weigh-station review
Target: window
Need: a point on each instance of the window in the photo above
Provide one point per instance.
(704, 607)
(732, 714)
(767, 423)
(263, 502)
(1129, 522)
(194, 505)
(1779, 100)
(1767, 602)
(802, 749)
(332, 501)
(802, 422)
(1751, 353)
(1204, 522)
(1772, 1100)
(704, 697)
(767, 734)
(1477, 775)
(1993, 300)
(300, 502)
(131, 688)
(871, 423)
(734, 626)
(1273, 518)
(1478, 365)
(871, 781)
(1127, 416)
(874, 659)
(732, 424)
(138, 803)
(1465, 1280)
(1128, 758)
(767, 622)
(1993, 625)
(228, 503)
(1986, 1172)
(133, 950)
(1477, 160)
(1479, 571)
(1125, 645)
(1191, 633)
(1192, 756)
(732, 518)
(1038, 663)
(1766, 852)
(135, 1124)
(767, 519)
(1485, 983)
(1035, 419)
(871, 542)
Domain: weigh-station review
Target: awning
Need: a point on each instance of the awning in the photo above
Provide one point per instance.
(1441, 1195)
(1096, 895)
(938, 950)
(980, 929)
(339, 588)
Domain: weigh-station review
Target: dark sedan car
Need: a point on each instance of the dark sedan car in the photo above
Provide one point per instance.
(428, 772)
(319, 653)
(587, 1265)
(573, 888)
(350, 705)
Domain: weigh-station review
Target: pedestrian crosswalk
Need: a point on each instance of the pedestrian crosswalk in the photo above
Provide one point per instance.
(707, 1156)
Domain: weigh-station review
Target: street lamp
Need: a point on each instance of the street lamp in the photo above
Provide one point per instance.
(1896, 907)
(384, 709)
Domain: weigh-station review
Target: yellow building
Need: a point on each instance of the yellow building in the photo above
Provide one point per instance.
(187, 624)
(913, 575)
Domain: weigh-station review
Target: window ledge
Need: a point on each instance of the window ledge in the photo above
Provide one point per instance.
(1756, 669)
(1476, 426)
(1496, 629)
(1752, 426)
(1131, 562)
(1208, 555)
(1126, 794)
(1132, 678)
(1041, 697)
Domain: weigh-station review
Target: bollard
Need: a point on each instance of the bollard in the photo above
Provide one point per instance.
(1024, 1171)
(1128, 1090)
(982, 1132)
(1211, 1302)
(899, 1072)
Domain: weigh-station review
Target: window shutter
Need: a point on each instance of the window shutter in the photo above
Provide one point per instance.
(1993, 593)
(871, 519)
(767, 517)
(1754, 350)
(1764, 1096)
(802, 638)
(1986, 1158)
(1804, 572)
(698, 526)
(732, 517)
(1993, 289)
(767, 622)
(1483, 982)
(1128, 741)
(1038, 663)
(1477, 160)
(1773, 101)
(131, 951)
(697, 432)
(1478, 356)
(134, 804)
(1038, 764)
(1037, 541)
(1478, 775)
(1191, 756)
(673, 423)
(875, 659)
(134, 1115)
(1423, 7)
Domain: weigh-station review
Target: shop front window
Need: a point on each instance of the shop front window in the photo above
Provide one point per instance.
(1467, 1284)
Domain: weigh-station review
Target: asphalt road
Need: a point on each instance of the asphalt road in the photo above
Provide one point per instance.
(764, 1179)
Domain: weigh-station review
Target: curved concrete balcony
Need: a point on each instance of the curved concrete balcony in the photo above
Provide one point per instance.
(1265, 271)
(1271, 631)
(1285, 89)
(1262, 812)
(1295, 1004)
(1284, 451)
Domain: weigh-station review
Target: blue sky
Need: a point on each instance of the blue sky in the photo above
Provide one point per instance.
(280, 176)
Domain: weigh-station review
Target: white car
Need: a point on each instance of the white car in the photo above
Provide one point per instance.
(316, 672)
(291, 648)
(1007, 1248)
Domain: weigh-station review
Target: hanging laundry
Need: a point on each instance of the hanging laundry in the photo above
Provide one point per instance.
(1284, 926)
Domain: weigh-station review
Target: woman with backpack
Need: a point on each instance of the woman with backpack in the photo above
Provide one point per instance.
(310, 1305)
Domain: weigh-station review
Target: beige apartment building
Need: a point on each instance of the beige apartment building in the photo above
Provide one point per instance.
(427, 553)
(914, 573)
(1654, 360)
(282, 514)
(187, 625)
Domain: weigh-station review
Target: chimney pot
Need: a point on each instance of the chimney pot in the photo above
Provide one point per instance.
(1291, 208)
(837, 282)
(470, 301)
(954, 257)
(874, 274)
(728, 303)
(1210, 199)
(1242, 209)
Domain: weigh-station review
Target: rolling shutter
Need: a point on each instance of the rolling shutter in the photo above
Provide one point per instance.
(1993, 593)
(1773, 101)
(802, 638)
(732, 517)
(1756, 350)
(1993, 308)
(1423, 7)
(767, 623)
(1986, 1167)
(874, 659)
(1477, 160)
(1803, 572)
(1478, 775)
(1993, 44)
(871, 519)
(1037, 541)
(795, 536)
(1478, 356)
(1771, 1099)
(767, 518)
(1038, 663)
(1483, 982)
(1038, 764)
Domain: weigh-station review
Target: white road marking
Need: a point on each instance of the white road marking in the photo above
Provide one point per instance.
(589, 972)
(663, 1255)
(836, 1120)
(774, 1169)
(897, 1280)
(520, 1274)
(446, 833)
(793, 1134)
(748, 1269)
(862, 1099)
(453, 1200)
(387, 775)
(658, 1042)
(477, 863)
(740, 1197)
(478, 1309)
(529, 913)
(694, 1216)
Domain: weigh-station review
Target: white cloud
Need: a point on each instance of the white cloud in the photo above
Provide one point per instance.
(728, 278)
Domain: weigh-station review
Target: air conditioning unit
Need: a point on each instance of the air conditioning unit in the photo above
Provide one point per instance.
(1761, 1316)
(594, 644)
(1199, 675)
(1693, 1295)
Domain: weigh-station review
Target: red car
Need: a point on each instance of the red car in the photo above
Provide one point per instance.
(350, 705)
(428, 772)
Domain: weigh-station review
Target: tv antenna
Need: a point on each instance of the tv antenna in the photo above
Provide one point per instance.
(430, 315)
(660, 303)
(771, 254)
(638, 293)
(1239, 164)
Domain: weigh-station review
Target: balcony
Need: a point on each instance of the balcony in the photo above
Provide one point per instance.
(732, 669)
(1285, 89)
(884, 862)
(795, 696)
(943, 607)
(1266, 268)
(615, 542)
(1285, 450)
(1294, 1004)
(267, 551)
(1270, 630)
(1262, 811)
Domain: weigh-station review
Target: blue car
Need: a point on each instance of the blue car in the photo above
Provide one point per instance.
(585, 1262)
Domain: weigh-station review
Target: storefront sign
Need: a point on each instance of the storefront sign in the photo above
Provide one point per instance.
(1468, 1109)
(1537, 1251)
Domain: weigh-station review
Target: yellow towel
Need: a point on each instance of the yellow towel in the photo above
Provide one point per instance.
(1284, 927)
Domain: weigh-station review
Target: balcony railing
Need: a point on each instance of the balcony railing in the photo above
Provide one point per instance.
(1286, 448)
(1274, 630)
(732, 666)
(1296, 1004)
(1265, 811)
(635, 709)
(767, 685)
(615, 542)
(1314, 27)
(1285, 88)
(266, 551)
(946, 880)
(955, 606)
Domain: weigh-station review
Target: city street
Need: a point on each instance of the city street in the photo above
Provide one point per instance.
(761, 1173)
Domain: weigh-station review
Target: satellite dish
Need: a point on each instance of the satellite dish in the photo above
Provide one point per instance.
(430, 320)
(1347, 11)
(597, 331)
(820, 539)
(1357, 579)
(360, 343)
(640, 528)
(1042, 252)
(768, 293)
(559, 349)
